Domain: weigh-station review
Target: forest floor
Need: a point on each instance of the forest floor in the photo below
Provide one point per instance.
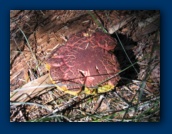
(34, 34)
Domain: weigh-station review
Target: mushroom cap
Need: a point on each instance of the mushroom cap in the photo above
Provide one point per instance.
(85, 62)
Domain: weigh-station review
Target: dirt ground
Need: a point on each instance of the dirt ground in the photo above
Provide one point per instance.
(35, 34)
